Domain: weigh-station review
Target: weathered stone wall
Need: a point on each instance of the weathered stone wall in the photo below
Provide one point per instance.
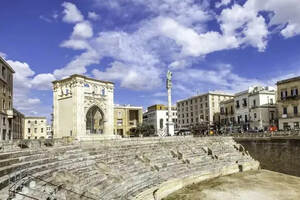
(140, 168)
(275, 154)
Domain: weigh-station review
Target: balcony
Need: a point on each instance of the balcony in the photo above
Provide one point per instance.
(10, 113)
(294, 97)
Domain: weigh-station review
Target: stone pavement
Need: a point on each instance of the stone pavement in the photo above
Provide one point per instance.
(250, 185)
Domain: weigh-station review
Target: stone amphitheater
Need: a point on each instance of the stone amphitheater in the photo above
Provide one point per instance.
(142, 168)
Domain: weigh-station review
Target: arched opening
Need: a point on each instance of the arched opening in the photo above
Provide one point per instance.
(95, 120)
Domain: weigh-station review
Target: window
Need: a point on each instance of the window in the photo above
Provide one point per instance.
(3, 72)
(295, 110)
(28, 121)
(246, 118)
(284, 110)
(237, 104)
(296, 125)
(272, 115)
(294, 92)
(254, 102)
(254, 115)
(103, 92)
(35, 130)
(286, 126)
(271, 101)
(244, 102)
(29, 131)
(42, 130)
(3, 104)
(206, 104)
(3, 120)
(222, 110)
(35, 122)
(161, 123)
(283, 94)
(120, 122)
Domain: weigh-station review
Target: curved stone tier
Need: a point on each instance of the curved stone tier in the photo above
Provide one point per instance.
(141, 168)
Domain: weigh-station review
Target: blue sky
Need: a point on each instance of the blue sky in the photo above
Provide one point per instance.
(208, 45)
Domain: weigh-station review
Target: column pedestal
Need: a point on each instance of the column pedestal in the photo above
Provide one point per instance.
(170, 129)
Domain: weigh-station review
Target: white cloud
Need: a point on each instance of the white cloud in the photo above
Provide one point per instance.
(93, 16)
(130, 76)
(222, 3)
(71, 13)
(3, 55)
(244, 24)
(178, 64)
(285, 12)
(194, 44)
(22, 76)
(75, 44)
(82, 30)
(43, 81)
(23, 100)
(78, 64)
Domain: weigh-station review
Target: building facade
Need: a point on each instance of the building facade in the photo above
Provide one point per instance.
(255, 108)
(6, 100)
(227, 118)
(125, 118)
(288, 103)
(200, 109)
(242, 111)
(83, 108)
(157, 115)
(18, 125)
(35, 128)
(49, 131)
(262, 106)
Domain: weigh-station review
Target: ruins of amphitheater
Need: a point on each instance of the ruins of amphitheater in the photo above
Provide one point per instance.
(142, 168)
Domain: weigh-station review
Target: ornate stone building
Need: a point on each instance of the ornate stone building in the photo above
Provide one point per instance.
(83, 108)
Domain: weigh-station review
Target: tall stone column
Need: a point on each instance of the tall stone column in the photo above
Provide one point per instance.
(170, 124)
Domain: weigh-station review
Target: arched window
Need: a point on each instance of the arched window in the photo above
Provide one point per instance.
(161, 123)
(95, 120)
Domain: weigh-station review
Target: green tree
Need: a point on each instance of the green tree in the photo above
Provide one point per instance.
(142, 129)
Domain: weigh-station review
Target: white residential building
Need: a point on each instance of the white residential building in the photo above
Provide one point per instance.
(242, 111)
(35, 127)
(255, 108)
(157, 115)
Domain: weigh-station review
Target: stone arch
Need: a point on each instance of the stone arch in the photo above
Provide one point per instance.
(94, 119)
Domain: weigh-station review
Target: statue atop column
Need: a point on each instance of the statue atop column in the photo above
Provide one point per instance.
(169, 79)
(170, 124)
